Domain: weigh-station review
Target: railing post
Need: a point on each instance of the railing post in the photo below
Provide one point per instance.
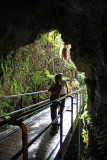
(80, 102)
(24, 141)
(77, 104)
(24, 137)
(38, 97)
(61, 131)
(71, 113)
(79, 132)
(21, 102)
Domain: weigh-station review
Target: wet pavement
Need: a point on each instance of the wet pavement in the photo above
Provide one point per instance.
(44, 148)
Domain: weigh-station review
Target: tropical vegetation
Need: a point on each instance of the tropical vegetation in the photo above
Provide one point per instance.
(32, 68)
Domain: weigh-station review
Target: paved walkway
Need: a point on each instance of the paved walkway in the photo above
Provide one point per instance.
(46, 147)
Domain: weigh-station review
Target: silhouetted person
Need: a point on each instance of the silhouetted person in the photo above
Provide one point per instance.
(54, 94)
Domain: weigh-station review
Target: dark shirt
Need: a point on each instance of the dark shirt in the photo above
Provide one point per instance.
(55, 91)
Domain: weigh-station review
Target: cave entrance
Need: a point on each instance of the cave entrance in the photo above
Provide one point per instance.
(32, 68)
(36, 62)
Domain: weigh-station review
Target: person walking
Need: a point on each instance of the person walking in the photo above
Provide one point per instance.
(75, 84)
(54, 91)
(64, 91)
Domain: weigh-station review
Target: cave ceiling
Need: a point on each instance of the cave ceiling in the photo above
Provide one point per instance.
(81, 24)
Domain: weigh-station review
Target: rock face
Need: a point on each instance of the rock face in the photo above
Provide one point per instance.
(83, 24)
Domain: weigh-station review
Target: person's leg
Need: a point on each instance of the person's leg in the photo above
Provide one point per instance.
(54, 114)
(62, 104)
(73, 89)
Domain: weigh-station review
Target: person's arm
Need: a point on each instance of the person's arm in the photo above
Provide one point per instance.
(49, 90)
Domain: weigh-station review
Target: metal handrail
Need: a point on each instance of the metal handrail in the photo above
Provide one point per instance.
(23, 109)
(25, 94)
(41, 107)
(31, 106)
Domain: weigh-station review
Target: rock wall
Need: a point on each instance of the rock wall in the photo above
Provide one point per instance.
(83, 24)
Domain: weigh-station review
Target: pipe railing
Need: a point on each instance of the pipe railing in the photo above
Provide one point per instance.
(39, 106)
(25, 94)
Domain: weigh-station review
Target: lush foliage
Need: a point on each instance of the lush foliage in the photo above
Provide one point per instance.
(33, 67)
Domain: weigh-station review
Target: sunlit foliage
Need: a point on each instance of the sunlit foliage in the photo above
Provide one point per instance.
(33, 67)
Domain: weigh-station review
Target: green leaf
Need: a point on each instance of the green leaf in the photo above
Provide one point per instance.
(37, 78)
(52, 77)
(38, 73)
(7, 117)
